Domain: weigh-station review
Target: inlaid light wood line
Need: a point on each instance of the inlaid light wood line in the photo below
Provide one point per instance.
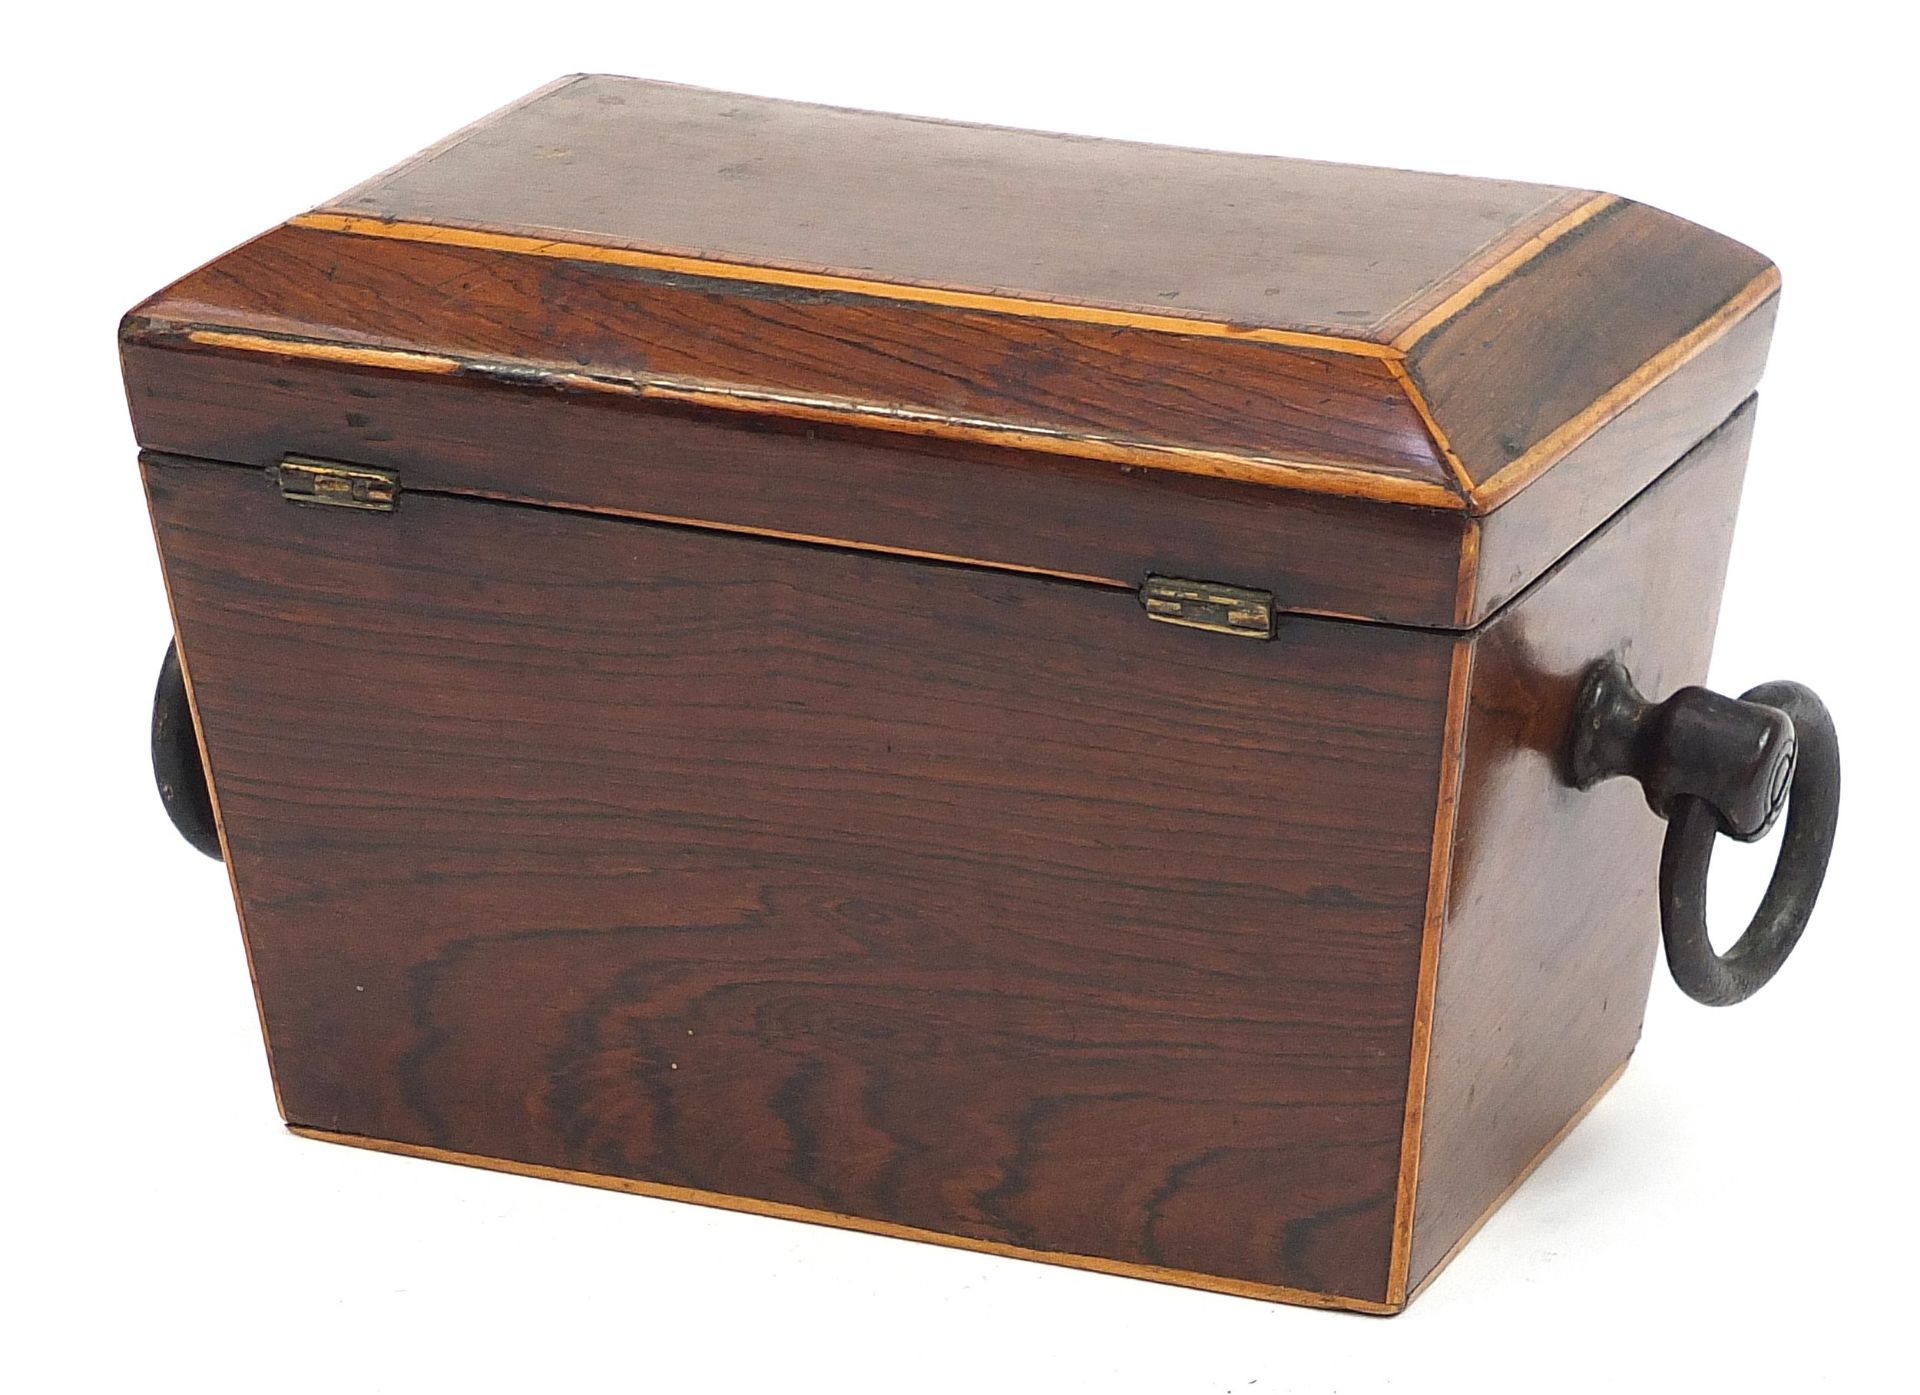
(358, 355)
(213, 794)
(1419, 402)
(662, 1191)
(1386, 326)
(1028, 307)
(1504, 483)
(817, 540)
(1345, 480)
(1439, 879)
(1466, 593)
(1506, 1195)
(1502, 269)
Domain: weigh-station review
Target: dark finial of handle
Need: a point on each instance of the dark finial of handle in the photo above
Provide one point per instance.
(1710, 764)
(177, 770)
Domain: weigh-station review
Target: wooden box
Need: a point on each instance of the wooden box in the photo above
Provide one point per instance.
(725, 746)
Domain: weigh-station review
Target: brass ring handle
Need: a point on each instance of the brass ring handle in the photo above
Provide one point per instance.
(177, 769)
(1711, 765)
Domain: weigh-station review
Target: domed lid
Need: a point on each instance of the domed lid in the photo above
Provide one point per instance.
(1235, 334)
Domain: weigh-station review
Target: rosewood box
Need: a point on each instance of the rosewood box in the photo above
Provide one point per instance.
(1044, 694)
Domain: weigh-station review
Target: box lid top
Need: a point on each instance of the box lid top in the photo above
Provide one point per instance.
(1402, 338)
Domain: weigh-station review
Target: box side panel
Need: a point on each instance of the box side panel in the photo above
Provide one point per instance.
(1552, 922)
(925, 896)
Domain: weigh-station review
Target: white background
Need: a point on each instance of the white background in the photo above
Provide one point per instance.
(1736, 1215)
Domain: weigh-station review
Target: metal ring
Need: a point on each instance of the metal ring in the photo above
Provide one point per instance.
(1813, 811)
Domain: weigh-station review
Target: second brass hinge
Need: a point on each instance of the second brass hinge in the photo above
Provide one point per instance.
(1209, 605)
(307, 481)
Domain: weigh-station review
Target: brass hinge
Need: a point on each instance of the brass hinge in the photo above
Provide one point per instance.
(1209, 605)
(307, 481)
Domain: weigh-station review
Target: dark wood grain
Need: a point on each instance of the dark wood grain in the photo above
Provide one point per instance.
(587, 451)
(1287, 243)
(965, 901)
(1552, 924)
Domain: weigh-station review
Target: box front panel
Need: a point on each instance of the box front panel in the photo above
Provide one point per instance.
(917, 894)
